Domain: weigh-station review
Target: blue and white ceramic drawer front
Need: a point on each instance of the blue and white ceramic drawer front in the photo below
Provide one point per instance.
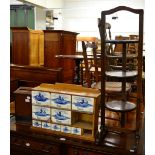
(80, 103)
(41, 98)
(76, 131)
(61, 101)
(36, 123)
(41, 113)
(65, 129)
(55, 127)
(61, 116)
(46, 125)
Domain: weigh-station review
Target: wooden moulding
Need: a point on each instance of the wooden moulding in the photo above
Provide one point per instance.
(84, 120)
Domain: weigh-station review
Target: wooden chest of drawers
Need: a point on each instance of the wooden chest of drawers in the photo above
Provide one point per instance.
(32, 146)
(24, 141)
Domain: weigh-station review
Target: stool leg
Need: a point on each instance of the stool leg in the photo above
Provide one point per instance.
(122, 119)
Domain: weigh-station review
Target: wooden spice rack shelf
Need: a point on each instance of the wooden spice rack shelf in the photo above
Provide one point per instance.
(76, 116)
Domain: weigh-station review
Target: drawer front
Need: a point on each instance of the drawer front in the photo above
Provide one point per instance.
(84, 104)
(34, 145)
(77, 151)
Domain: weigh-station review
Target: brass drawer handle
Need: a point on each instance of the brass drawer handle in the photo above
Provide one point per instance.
(27, 144)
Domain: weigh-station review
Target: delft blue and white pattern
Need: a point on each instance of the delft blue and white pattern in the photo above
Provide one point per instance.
(65, 129)
(61, 100)
(46, 125)
(36, 123)
(61, 116)
(76, 131)
(85, 104)
(55, 127)
(41, 98)
(41, 113)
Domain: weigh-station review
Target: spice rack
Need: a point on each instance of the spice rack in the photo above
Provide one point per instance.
(66, 109)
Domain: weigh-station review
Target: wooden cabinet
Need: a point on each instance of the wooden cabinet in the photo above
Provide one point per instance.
(25, 141)
(57, 42)
(27, 46)
(78, 151)
(29, 146)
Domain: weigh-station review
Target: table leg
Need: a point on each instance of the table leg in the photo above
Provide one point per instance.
(122, 119)
(77, 78)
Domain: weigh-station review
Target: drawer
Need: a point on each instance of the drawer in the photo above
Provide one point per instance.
(77, 151)
(84, 104)
(34, 145)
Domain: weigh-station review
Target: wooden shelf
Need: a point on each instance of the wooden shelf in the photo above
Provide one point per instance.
(120, 106)
(119, 55)
(121, 41)
(84, 125)
(86, 136)
(121, 74)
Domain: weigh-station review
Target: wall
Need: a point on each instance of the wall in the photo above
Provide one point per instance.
(81, 16)
(40, 14)
(15, 2)
(55, 3)
(40, 18)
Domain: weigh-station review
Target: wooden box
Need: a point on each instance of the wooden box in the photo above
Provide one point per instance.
(23, 105)
(27, 46)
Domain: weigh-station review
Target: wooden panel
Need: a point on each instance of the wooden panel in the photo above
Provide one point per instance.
(41, 48)
(27, 46)
(33, 146)
(13, 87)
(35, 74)
(23, 106)
(20, 48)
(78, 151)
(60, 42)
(52, 47)
(33, 50)
(52, 36)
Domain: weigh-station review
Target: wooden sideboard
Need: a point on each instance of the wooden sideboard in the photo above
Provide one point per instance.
(58, 42)
(26, 141)
(27, 46)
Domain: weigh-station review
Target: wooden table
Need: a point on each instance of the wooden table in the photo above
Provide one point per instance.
(78, 59)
